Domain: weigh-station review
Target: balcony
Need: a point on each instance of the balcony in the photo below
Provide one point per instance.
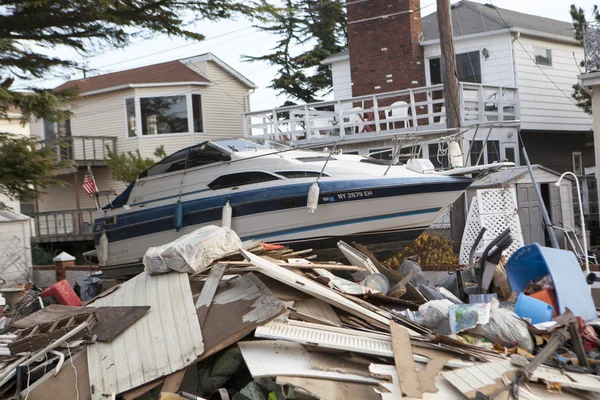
(393, 113)
(83, 150)
(62, 226)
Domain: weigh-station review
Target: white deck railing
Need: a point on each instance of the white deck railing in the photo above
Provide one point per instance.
(419, 109)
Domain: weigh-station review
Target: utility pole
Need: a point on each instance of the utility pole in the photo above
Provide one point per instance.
(451, 99)
(451, 102)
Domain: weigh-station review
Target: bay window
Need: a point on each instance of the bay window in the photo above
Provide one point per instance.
(163, 115)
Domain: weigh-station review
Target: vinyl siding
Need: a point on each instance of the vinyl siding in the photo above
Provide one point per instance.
(497, 70)
(342, 81)
(543, 105)
(62, 198)
(224, 104)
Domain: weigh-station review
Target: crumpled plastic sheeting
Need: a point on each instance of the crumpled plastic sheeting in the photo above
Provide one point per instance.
(434, 315)
(506, 329)
(193, 252)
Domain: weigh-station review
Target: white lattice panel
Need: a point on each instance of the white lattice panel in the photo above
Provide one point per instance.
(496, 210)
(472, 228)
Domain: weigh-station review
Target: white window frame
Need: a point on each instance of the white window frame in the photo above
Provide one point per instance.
(138, 114)
(535, 48)
(54, 124)
(456, 53)
(577, 154)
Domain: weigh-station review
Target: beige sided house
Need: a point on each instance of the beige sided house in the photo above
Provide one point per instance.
(11, 124)
(175, 104)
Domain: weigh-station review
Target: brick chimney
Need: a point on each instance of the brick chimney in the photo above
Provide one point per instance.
(383, 39)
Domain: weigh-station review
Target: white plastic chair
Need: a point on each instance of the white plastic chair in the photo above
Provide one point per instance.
(399, 110)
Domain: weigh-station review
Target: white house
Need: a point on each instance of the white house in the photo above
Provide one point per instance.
(11, 124)
(498, 47)
(174, 104)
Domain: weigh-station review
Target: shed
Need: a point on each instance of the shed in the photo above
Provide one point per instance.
(15, 248)
(558, 200)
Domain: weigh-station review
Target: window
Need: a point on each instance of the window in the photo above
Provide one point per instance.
(203, 154)
(543, 56)
(577, 163)
(493, 151)
(197, 113)
(164, 115)
(174, 162)
(476, 148)
(242, 178)
(511, 155)
(468, 68)
(131, 120)
(438, 162)
(299, 174)
(58, 128)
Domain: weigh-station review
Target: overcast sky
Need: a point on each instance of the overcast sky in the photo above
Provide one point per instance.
(229, 40)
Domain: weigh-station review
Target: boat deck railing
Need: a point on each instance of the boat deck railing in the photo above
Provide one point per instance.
(391, 113)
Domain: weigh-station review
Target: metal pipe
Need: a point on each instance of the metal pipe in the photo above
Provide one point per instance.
(582, 219)
(538, 193)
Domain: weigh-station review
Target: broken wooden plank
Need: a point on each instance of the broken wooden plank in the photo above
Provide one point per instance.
(141, 390)
(112, 321)
(239, 306)
(208, 291)
(329, 389)
(487, 378)
(319, 291)
(388, 381)
(277, 357)
(437, 360)
(173, 381)
(403, 358)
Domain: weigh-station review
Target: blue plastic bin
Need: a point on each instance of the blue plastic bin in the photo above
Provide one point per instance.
(536, 310)
(534, 261)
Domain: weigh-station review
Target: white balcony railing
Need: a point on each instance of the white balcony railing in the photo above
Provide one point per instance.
(391, 113)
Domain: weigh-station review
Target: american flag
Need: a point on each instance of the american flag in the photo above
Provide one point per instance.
(89, 185)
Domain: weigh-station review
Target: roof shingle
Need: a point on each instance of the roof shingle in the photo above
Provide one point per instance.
(469, 17)
(167, 72)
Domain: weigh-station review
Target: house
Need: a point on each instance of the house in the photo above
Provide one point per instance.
(174, 104)
(11, 124)
(494, 47)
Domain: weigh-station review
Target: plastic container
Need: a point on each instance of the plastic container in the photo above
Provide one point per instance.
(63, 293)
(533, 309)
(547, 296)
(378, 282)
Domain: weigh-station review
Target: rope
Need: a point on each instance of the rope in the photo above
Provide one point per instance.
(75, 369)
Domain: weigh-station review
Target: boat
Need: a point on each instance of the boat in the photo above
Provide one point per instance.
(267, 185)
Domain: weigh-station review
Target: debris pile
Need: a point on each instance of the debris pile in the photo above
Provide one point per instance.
(267, 322)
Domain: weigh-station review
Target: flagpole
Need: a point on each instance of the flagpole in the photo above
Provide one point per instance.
(96, 202)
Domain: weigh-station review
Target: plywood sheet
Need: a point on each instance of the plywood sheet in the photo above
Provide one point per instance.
(62, 385)
(239, 306)
(277, 357)
(166, 339)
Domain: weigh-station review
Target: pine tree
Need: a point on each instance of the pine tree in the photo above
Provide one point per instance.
(32, 29)
(317, 24)
(581, 97)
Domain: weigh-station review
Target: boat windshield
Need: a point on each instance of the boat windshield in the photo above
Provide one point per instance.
(249, 144)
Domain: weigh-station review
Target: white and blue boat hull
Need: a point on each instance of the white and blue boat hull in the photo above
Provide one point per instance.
(386, 209)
